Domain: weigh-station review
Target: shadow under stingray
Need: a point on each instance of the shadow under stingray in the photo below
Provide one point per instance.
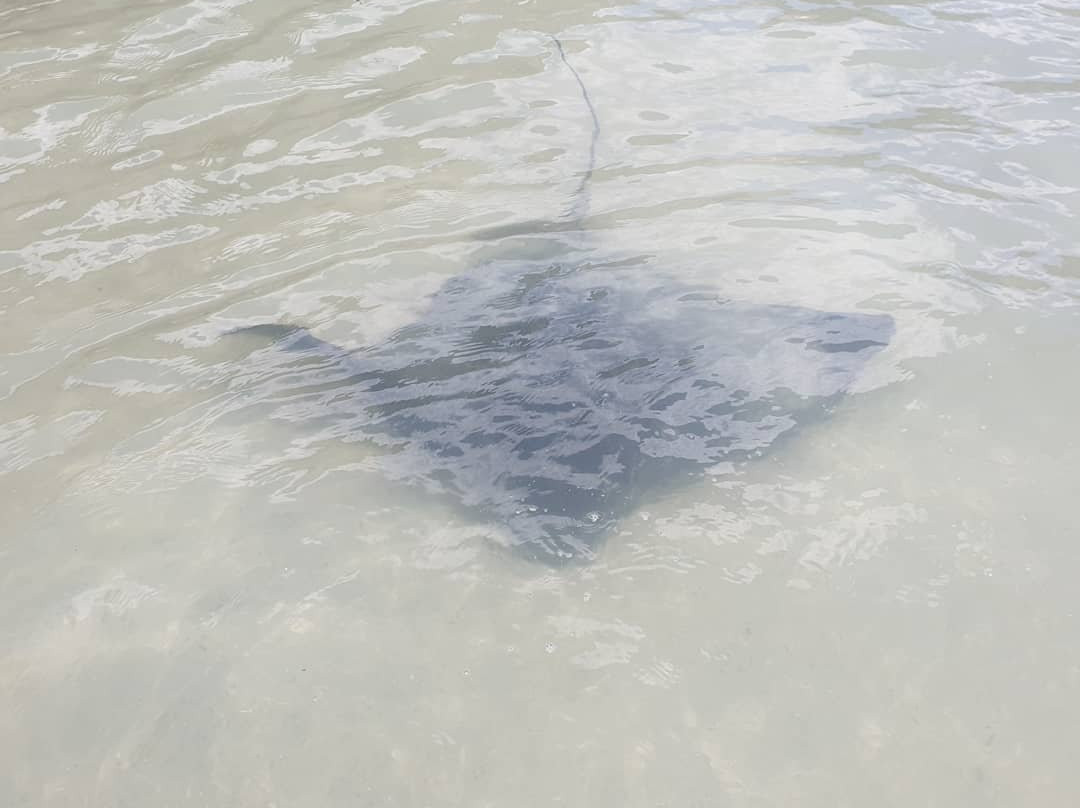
(553, 396)
(554, 402)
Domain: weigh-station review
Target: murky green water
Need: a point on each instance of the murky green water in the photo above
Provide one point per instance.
(225, 584)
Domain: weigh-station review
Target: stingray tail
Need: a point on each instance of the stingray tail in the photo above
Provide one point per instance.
(582, 199)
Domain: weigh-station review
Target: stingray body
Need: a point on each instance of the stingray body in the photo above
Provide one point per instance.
(552, 403)
(550, 398)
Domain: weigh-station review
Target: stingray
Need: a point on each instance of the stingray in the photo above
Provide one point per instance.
(552, 398)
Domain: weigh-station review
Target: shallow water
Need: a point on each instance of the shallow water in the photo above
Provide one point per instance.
(211, 599)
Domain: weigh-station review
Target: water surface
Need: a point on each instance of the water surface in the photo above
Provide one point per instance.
(213, 597)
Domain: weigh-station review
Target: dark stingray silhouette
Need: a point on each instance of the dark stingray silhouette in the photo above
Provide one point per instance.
(553, 403)
(552, 397)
